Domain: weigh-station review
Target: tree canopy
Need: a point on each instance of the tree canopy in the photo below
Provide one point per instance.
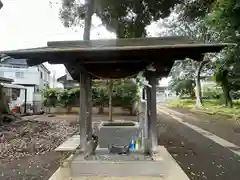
(208, 21)
(128, 18)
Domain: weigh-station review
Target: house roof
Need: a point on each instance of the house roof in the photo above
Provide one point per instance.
(46, 69)
(62, 78)
(3, 79)
(13, 86)
(12, 61)
(21, 62)
(117, 58)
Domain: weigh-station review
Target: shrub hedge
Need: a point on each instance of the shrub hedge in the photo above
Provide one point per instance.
(124, 94)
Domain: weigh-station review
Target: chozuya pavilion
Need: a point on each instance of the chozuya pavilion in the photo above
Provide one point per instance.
(119, 58)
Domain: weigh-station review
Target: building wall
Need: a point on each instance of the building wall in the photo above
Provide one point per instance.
(44, 77)
(33, 78)
(20, 75)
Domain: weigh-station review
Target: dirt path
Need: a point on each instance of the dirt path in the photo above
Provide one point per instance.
(199, 157)
(27, 147)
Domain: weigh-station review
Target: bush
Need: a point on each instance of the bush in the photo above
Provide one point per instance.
(68, 98)
(99, 96)
(50, 97)
(125, 94)
(211, 93)
(236, 95)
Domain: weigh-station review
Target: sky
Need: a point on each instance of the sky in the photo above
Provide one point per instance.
(32, 23)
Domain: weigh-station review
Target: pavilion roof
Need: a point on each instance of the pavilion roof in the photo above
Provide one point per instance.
(117, 58)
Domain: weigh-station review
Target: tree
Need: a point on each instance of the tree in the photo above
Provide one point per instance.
(223, 17)
(182, 78)
(127, 18)
(225, 20)
(110, 89)
(191, 11)
(197, 30)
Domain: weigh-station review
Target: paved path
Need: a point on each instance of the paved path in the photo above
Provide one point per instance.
(200, 157)
(182, 118)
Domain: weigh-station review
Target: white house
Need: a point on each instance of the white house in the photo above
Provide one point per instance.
(34, 78)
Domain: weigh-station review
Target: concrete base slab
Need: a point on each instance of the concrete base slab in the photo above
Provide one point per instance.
(117, 178)
(71, 144)
(163, 166)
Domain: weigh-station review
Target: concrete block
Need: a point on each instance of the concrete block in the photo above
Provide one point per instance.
(117, 133)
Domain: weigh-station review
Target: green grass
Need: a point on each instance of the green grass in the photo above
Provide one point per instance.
(211, 106)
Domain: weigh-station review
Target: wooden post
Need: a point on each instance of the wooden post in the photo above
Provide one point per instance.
(88, 85)
(143, 123)
(83, 109)
(153, 125)
(144, 93)
(89, 108)
(152, 112)
(148, 123)
(25, 102)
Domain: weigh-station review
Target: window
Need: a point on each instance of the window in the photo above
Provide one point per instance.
(41, 75)
(16, 67)
(36, 89)
(8, 66)
(45, 77)
(15, 94)
(19, 75)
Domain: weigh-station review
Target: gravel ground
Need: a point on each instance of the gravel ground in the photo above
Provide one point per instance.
(27, 146)
(27, 149)
(199, 157)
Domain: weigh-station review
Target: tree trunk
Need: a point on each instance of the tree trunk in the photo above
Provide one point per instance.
(226, 94)
(226, 89)
(101, 109)
(198, 91)
(69, 108)
(88, 20)
(110, 88)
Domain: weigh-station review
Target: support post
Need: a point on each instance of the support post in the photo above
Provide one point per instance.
(148, 119)
(83, 110)
(152, 112)
(84, 86)
(143, 124)
(154, 133)
(25, 102)
(89, 108)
